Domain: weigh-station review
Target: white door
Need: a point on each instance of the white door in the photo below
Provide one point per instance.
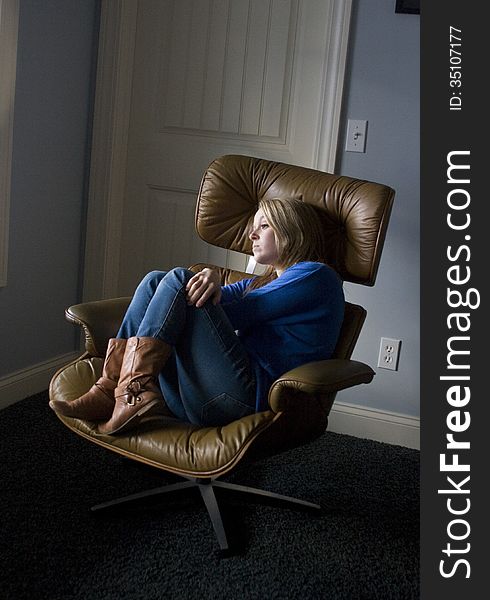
(211, 77)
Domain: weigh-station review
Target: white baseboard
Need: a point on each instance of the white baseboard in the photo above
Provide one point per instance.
(373, 424)
(35, 379)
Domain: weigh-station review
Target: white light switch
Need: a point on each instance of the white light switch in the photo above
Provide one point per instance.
(356, 136)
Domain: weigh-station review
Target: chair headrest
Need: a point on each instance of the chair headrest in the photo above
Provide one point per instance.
(355, 213)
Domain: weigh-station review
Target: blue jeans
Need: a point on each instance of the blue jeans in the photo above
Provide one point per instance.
(208, 379)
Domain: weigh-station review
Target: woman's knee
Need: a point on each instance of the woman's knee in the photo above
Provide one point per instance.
(154, 276)
(152, 279)
(180, 274)
(156, 280)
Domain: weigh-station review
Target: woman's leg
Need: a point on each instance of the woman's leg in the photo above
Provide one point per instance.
(98, 403)
(209, 379)
(139, 303)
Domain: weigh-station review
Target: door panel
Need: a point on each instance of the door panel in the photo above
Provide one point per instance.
(213, 77)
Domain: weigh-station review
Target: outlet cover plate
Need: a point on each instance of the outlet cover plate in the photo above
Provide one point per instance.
(389, 353)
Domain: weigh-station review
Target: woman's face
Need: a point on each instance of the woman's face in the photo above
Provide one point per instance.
(264, 246)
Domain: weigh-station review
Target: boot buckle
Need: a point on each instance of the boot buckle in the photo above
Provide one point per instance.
(134, 389)
(130, 399)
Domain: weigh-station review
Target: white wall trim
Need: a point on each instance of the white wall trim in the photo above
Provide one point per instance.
(333, 85)
(32, 380)
(109, 147)
(374, 424)
(9, 20)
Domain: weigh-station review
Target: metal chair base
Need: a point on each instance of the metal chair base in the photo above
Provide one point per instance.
(206, 488)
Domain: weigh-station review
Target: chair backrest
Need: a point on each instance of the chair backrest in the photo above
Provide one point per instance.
(354, 317)
(355, 212)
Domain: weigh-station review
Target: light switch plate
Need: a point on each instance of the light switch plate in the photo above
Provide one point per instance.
(356, 135)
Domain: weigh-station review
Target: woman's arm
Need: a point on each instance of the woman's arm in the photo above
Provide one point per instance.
(296, 291)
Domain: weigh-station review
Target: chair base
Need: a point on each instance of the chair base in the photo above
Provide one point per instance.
(206, 488)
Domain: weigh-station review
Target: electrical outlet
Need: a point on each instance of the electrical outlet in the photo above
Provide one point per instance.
(389, 353)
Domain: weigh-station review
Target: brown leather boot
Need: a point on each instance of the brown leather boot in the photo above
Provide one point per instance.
(138, 396)
(98, 403)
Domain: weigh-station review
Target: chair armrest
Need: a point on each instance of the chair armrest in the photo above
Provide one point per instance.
(100, 321)
(317, 378)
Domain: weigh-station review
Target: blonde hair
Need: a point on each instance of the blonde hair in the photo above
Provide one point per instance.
(298, 234)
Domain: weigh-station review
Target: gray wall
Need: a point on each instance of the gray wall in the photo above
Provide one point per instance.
(56, 49)
(56, 53)
(383, 87)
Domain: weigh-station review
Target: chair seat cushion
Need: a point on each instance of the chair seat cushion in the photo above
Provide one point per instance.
(169, 444)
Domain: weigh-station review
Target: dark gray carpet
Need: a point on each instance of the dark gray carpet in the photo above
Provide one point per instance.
(364, 544)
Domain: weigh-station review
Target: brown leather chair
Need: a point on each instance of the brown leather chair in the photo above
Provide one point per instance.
(355, 215)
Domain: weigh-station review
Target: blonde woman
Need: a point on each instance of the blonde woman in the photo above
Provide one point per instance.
(201, 352)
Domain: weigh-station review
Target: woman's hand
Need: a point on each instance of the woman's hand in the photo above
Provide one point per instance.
(202, 286)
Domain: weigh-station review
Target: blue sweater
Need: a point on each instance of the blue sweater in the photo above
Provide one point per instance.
(290, 321)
